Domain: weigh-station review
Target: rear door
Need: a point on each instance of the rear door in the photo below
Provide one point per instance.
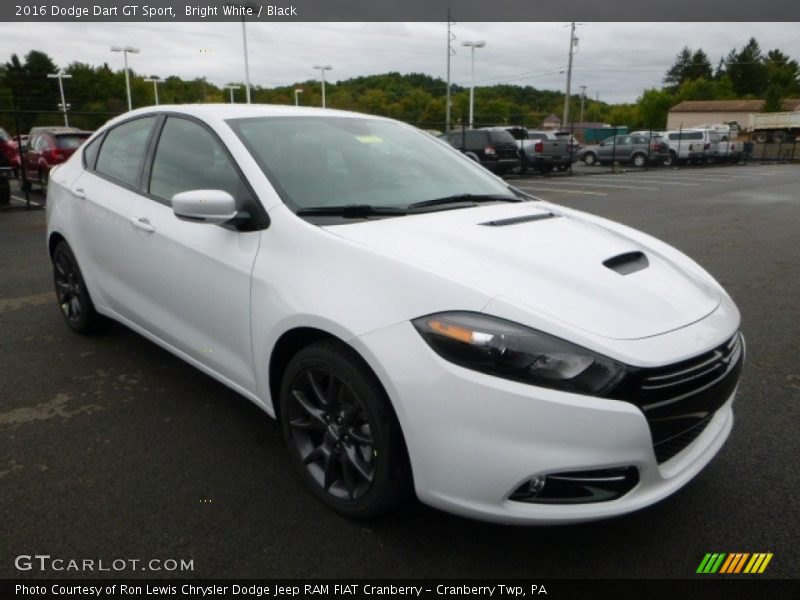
(190, 282)
(113, 167)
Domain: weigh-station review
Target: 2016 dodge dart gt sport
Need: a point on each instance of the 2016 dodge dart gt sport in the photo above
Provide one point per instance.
(415, 323)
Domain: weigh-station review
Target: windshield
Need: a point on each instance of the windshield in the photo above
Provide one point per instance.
(337, 161)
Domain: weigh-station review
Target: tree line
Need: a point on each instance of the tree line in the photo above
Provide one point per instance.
(743, 74)
(95, 93)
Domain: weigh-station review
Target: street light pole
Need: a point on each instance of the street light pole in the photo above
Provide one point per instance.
(246, 62)
(61, 76)
(450, 53)
(155, 81)
(231, 88)
(583, 100)
(472, 46)
(297, 93)
(322, 69)
(125, 50)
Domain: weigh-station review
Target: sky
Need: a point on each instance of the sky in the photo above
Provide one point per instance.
(615, 61)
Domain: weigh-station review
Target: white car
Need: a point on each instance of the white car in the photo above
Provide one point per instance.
(415, 323)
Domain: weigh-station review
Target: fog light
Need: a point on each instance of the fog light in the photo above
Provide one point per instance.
(536, 485)
(576, 487)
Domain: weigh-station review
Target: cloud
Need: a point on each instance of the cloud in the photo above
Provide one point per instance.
(615, 60)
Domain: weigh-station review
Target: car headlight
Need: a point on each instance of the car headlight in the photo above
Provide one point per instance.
(505, 349)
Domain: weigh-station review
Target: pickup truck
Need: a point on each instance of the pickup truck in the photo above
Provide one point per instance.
(542, 151)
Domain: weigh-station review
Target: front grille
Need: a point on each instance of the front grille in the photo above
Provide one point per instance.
(680, 400)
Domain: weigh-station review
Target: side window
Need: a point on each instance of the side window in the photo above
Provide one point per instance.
(90, 152)
(123, 151)
(189, 157)
(476, 140)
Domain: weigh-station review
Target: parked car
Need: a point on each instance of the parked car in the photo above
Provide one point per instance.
(542, 151)
(638, 150)
(8, 148)
(495, 150)
(693, 145)
(6, 173)
(49, 147)
(412, 320)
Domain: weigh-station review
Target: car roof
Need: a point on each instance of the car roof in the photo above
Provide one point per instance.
(222, 112)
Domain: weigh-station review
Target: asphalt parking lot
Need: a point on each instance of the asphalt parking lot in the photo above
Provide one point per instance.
(112, 448)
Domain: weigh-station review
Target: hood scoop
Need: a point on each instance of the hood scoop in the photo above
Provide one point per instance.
(627, 263)
(518, 220)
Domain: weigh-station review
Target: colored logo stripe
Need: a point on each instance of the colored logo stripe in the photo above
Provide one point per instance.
(734, 562)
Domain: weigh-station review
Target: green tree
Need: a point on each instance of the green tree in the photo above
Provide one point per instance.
(772, 99)
(747, 70)
(654, 107)
(688, 65)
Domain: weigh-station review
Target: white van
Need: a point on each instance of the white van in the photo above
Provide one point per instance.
(693, 145)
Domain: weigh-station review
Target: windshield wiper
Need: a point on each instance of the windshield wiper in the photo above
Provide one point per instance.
(354, 211)
(462, 198)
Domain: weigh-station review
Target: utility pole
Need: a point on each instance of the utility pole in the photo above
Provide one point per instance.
(61, 76)
(450, 53)
(573, 41)
(583, 100)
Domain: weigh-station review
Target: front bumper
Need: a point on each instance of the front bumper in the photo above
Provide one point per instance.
(473, 439)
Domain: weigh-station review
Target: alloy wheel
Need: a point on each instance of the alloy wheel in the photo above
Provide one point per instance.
(331, 433)
(68, 287)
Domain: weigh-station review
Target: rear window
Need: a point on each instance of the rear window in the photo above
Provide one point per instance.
(72, 141)
(687, 135)
(4, 136)
(502, 137)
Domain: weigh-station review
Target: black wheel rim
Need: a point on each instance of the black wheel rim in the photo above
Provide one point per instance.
(68, 287)
(332, 434)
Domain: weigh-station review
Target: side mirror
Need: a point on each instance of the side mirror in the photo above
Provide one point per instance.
(204, 206)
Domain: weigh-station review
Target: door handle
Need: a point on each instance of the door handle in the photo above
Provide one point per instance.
(143, 224)
(78, 193)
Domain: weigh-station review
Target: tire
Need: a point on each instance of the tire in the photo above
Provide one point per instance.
(761, 137)
(779, 137)
(562, 168)
(25, 185)
(73, 296)
(342, 433)
(589, 159)
(473, 156)
(639, 160)
(44, 179)
(669, 160)
(5, 191)
(545, 169)
(523, 165)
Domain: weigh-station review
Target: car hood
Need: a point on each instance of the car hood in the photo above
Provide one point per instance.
(553, 265)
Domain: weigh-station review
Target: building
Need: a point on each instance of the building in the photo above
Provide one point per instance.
(551, 121)
(692, 113)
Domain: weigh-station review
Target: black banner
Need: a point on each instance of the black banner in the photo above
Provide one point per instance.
(392, 10)
(248, 589)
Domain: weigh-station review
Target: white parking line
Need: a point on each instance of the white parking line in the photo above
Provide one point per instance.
(563, 191)
(33, 202)
(611, 185)
(664, 181)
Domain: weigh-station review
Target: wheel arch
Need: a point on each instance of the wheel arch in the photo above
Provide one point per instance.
(53, 241)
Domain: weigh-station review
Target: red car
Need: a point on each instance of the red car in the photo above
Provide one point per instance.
(47, 148)
(8, 148)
